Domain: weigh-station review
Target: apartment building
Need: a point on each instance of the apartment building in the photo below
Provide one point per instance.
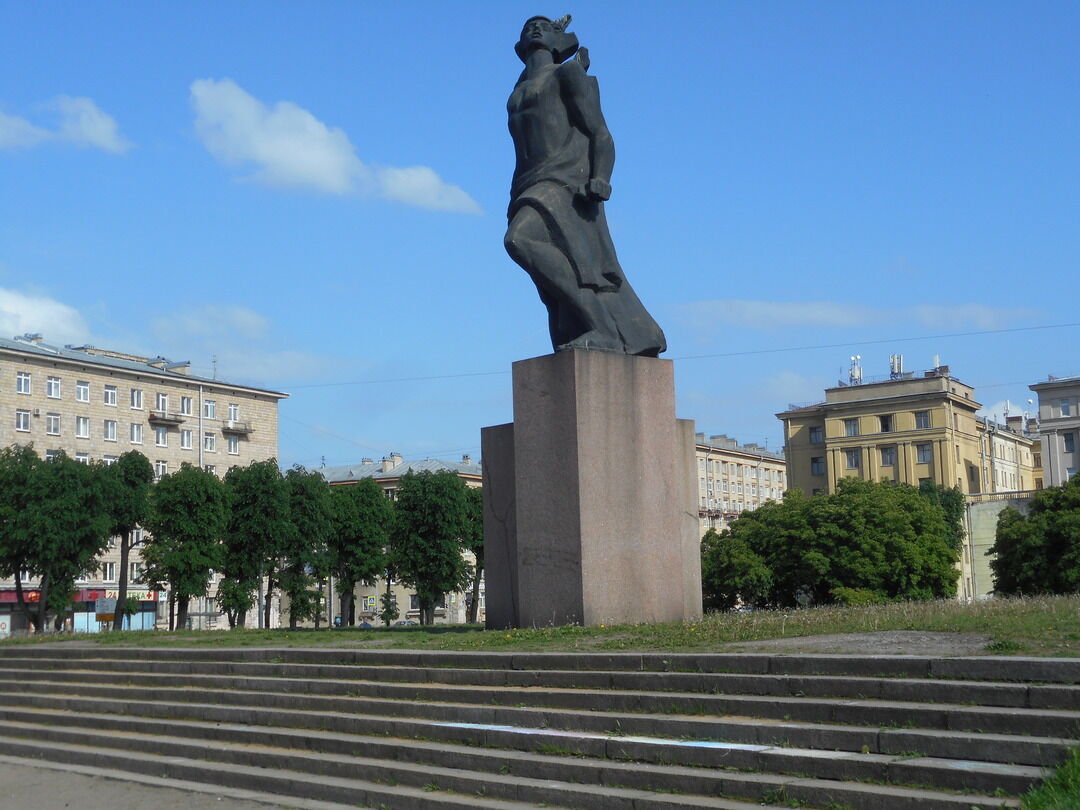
(1059, 428)
(907, 428)
(95, 404)
(387, 474)
(734, 478)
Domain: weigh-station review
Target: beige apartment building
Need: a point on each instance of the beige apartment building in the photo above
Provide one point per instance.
(908, 428)
(387, 474)
(734, 478)
(1059, 427)
(95, 404)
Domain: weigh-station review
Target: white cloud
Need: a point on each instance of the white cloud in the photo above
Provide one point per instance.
(57, 322)
(211, 322)
(769, 315)
(290, 147)
(82, 123)
(17, 132)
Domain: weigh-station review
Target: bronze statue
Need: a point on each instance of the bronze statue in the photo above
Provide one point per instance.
(558, 232)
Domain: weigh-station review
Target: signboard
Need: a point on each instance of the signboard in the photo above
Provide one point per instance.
(29, 596)
(105, 609)
(370, 602)
(5, 626)
(141, 594)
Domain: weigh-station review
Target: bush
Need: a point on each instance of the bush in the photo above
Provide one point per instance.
(730, 572)
(1040, 552)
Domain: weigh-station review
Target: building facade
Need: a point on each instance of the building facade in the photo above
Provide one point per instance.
(735, 478)
(95, 404)
(387, 474)
(1059, 428)
(909, 428)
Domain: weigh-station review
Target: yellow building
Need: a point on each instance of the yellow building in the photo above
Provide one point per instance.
(908, 428)
(735, 478)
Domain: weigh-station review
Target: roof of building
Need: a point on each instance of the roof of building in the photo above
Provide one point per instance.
(724, 442)
(391, 468)
(1054, 382)
(90, 355)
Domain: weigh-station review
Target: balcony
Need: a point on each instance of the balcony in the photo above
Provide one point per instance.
(165, 418)
(236, 426)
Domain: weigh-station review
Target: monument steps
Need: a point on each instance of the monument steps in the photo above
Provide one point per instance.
(590, 730)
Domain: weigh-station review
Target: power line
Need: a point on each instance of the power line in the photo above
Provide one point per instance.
(746, 353)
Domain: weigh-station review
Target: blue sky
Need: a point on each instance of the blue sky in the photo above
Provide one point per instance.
(313, 194)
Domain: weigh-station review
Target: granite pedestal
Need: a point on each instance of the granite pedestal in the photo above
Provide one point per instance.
(590, 508)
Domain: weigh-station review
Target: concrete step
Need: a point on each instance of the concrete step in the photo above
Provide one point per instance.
(611, 741)
(664, 714)
(989, 668)
(1003, 694)
(521, 778)
(961, 775)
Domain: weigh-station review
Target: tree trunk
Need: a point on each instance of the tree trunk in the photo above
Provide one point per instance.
(24, 606)
(121, 591)
(241, 619)
(318, 603)
(266, 606)
(474, 605)
(172, 609)
(231, 616)
(181, 613)
(40, 624)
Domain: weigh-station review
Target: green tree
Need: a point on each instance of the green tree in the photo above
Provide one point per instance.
(473, 540)
(430, 520)
(258, 529)
(305, 560)
(362, 515)
(128, 481)
(186, 519)
(886, 539)
(731, 572)
(1040, 552)
(951, 500)
(54, 522)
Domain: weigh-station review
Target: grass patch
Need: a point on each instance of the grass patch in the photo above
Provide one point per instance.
(1061, 791)
(1039, 626)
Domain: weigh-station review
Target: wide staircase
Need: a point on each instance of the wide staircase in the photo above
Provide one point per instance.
(408, 729)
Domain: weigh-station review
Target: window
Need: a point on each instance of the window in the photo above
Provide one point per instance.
(1070, 442)
(108, 571)
(817, 465)
(52, 387)
(52, 424)
(51, 454)
(22, 382)
(922, 420)
(888, 456)
(136, 433)
(185, 406)
(853, 458)
(82, 458)
(924, 453)
(109, 396)
(161, 402)
(886, 423)
(22, 421)
(851, 427)
(136, 536)
(136, 398)
(161, 469)
(210, 468)
(161, 437)
(234, 449)
(82, 427)
(185, 439)
(209, 409)
(209, 443)
(817, 435)
(136, 571)
(82, 391)
(234, 412)
(1066, 408)
(109, 460)
(110, 430)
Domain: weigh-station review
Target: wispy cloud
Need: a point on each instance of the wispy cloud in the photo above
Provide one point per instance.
(58, 322)
(289, 147)
(712, 315)
(80, 122)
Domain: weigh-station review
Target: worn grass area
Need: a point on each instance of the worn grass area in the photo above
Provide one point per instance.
(1044, 626)
(1061, 791)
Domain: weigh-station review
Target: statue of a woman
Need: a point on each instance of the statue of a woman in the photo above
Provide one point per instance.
(558, 232)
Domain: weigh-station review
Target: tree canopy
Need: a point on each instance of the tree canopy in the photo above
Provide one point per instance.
(1040, 552)
(360, 532)
(128, 481)
(887, 541)
(305, 560)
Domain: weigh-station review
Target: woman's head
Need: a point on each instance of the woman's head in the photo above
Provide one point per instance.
(551, 35)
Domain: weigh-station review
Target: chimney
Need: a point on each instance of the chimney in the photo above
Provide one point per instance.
(395, 459)
(466, 459)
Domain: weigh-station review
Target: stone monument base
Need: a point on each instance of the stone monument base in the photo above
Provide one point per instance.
(590, 503)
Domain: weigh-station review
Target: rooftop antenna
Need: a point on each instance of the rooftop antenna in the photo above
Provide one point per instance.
(937, 360)
(213, 364)
(855, 373)
(896, 366)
